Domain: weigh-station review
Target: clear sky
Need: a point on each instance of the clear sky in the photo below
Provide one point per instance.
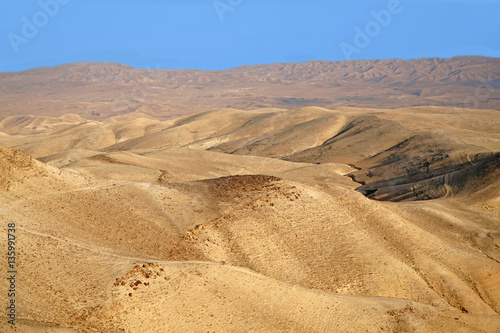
(220, 34)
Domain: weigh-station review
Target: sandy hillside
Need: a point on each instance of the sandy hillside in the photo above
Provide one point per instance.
(271, 220)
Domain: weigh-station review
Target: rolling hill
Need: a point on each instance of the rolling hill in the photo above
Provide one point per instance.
(264, 220)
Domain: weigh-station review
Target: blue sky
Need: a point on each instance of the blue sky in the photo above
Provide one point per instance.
(220, 34)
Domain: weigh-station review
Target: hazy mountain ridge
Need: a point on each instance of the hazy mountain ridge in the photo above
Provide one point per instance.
(103, 90)
(396, 70)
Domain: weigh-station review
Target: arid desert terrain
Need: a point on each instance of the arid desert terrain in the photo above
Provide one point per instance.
(367, 218)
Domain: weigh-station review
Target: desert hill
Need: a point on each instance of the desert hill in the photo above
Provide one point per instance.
(221, 250)
(110, 91)
(269, 220)
(395, 160)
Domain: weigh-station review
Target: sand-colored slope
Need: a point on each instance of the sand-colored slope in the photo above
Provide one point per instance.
(172, 165)
(211, 128)
(426, 165)
(79, 135)
(341, 243)
(86, 135)
(244, 242)
(15, 167)
(295, 256)
(188, 130)
(398, 159)
(27, 125)
(107, 293)
(208, 297)
(358, 139)
(285, 141)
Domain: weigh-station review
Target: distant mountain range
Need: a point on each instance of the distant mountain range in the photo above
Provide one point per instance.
(103, 90)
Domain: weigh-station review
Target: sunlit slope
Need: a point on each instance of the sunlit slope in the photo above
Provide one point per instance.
(401, 154)
(294, 253)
